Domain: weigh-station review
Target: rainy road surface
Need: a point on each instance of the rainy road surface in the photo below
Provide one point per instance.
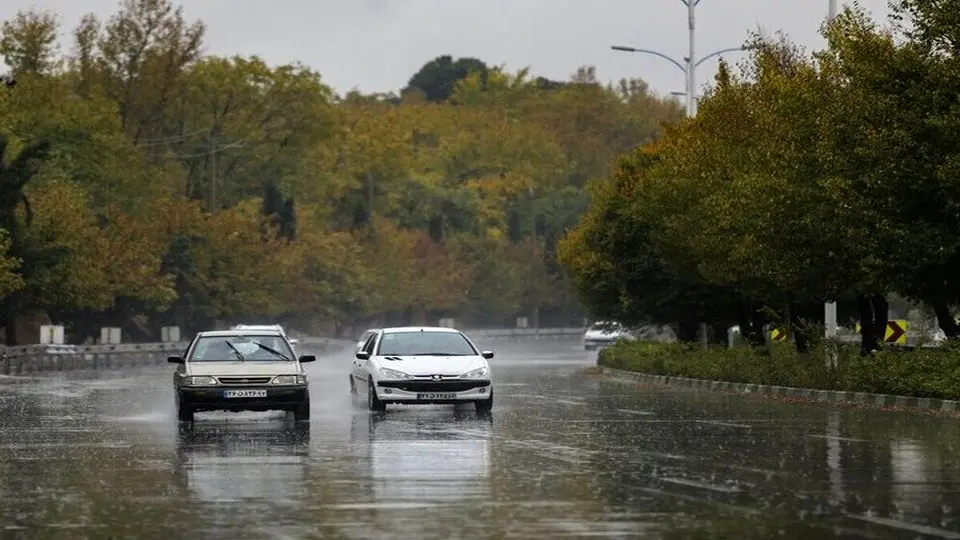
(565, 455)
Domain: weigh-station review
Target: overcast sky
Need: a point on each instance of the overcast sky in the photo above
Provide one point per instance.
(375, 45)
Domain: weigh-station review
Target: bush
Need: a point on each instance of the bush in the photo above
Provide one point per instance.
(925, 372)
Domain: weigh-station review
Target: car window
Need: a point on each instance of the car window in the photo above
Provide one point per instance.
(249, 347)
(425, 343)
(368, 346)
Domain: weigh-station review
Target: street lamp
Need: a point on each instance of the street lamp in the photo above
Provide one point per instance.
(689, 67)
(830, 308)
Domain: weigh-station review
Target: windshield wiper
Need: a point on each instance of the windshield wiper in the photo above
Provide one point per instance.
(235, 350)
(271, 350)
(439, 354)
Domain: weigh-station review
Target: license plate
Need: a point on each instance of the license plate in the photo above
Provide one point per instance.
(445, 395)
(244, 393)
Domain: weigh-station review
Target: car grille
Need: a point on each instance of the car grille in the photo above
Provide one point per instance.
(460, 385)
(244, 380)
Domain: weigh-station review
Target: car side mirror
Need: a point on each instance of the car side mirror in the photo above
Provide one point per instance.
(363, 355)
(175, 359)
(487, 354)
(307, 358)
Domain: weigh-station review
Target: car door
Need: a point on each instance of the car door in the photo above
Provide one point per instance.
(361, 367)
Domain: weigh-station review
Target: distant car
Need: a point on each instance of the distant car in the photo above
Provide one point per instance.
(421, 365)
(241, 370)
(277, 327)
(603, 333)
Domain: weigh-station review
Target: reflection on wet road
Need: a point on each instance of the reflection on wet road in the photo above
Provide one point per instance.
(564, 455)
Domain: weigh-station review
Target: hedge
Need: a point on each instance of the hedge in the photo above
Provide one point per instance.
(923, 372)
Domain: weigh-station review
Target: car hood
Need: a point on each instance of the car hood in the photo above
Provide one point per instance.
(244, 368)
(432, 365)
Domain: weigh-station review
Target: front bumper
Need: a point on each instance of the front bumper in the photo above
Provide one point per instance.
(595, 343)
(429, 391)
(211, 398)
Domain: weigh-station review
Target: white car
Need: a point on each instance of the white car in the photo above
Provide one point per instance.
(240, 370)
(602, 333)
(420, 365)
(277, 327)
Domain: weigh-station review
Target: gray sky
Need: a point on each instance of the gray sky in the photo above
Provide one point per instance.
(376, 45)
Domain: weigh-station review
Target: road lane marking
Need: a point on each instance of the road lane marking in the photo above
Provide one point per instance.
(724, 424)
(700, 485)
(631, 411)
(905, 526)
(836, 438)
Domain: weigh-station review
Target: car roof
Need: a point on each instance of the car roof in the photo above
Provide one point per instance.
(259, 331)
(257, 327)
(401, 329)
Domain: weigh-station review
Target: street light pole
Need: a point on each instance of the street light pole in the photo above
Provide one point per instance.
(830, 308)
(691, 62)
(691, 65)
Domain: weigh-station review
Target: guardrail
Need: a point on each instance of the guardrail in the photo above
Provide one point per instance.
(36, 358)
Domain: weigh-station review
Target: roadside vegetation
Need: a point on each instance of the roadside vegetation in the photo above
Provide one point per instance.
(804, 178)
(146, 184)
(925, 372)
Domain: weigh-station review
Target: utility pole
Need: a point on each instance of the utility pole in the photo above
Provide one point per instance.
(690, 62)
(830, 308)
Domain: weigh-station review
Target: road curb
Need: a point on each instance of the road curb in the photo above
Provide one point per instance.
(820, 396)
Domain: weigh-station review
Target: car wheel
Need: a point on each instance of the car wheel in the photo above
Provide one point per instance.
(485, 405)
(302, 412)
(373, 402)
(184, 412)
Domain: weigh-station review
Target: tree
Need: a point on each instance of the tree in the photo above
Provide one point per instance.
(10, 280)
(438, 77)
(28, 43)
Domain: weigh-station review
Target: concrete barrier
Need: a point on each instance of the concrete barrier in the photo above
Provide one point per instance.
(58, 357)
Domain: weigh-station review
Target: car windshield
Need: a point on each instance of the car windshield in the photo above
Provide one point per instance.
(425, 344)
(254, 348)
(606, 326)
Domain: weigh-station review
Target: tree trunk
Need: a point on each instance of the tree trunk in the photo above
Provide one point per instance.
(750, 327)
(871, 319)
(687, 331)
(719, 333)
(945, 319)
(801, 332)
(881, 314)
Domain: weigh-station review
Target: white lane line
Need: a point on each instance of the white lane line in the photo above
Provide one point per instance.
(905, 526)
(701, 485)
(836, 438)
(724, 424)
(631, 411)
(570, 402)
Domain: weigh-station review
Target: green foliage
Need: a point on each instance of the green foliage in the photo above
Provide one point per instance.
(144, 180)
(804, 178)
(924, 372)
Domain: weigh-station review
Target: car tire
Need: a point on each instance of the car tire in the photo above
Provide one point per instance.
(302, 412)
(184, 412)
(373, 402)
(485, 405)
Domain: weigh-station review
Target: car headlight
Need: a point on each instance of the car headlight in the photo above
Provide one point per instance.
(479, 373)
(290, 379)
(202, 381)
(393, 374)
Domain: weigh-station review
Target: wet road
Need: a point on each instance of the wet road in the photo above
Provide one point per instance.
(565, 455)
